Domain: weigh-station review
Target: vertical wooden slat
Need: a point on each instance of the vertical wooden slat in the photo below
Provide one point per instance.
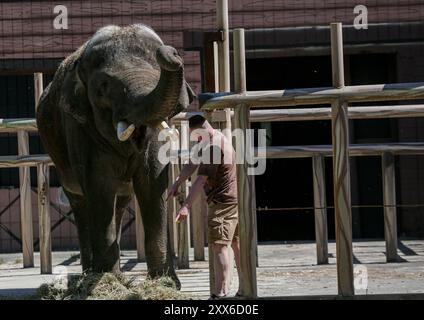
(389, 195)
(44, 218)
(198, 227)
(246, 193)
(25, 203)
(342, 195)
(184, 226)
(172, 210)
(320, 204)
(224, 58)
(139, 233)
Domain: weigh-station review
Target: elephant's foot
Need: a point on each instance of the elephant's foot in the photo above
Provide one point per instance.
(165, 272)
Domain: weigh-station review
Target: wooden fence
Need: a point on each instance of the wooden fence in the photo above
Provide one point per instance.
(339, 96)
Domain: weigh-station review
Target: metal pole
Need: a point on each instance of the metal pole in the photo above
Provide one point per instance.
(342, 196)
(245, 182)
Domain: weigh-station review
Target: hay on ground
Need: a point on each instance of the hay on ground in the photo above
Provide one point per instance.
(109, 286)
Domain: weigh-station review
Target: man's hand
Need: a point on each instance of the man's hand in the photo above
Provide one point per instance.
(173, 191)
(182, 214)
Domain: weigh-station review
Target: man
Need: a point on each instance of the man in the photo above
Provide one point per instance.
(217, 176)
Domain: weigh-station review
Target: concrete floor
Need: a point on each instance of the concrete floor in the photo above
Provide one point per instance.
(285, 269)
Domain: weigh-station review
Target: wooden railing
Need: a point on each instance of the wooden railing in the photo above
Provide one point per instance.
(339, 96)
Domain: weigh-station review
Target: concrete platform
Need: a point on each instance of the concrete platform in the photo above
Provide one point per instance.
(285, 269)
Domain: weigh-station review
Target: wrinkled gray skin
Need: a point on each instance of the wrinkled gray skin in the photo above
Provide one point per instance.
(120, 74)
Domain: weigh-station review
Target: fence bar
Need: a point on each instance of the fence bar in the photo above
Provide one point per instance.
(139, 233)
(320, 204)
(389, 191)
(310, 96)
(38, 87)
(355, 150)
(246, 192)
(224, 58)
(198, 227)
(44, 218)
(342, 195)
(183, 227)
(25, 203)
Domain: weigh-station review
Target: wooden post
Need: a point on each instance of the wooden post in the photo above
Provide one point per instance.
(172, 202)
(44, 218)
(246, 193)
(224, 58)
(389, 191)
(25, 203)
(184, 226)
(320, 204)
(139, 233)
(342, 196)
(198, 227)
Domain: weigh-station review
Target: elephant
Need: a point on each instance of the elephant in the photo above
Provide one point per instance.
(99, 121)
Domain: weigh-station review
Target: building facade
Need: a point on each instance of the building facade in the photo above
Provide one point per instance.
(287, 47)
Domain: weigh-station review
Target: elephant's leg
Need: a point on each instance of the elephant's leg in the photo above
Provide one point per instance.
(150, 185)
(82, 221)
(104, 243)
(121, 204)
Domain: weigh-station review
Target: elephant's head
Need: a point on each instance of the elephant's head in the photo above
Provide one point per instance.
(130, 80)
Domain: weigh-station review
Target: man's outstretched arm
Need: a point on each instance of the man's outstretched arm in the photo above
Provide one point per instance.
(186, 172)
(195, 191)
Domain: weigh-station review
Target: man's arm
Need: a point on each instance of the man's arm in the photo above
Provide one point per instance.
(186, 172)
(195, 191)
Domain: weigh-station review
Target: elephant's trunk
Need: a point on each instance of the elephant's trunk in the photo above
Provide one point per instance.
(162, 101)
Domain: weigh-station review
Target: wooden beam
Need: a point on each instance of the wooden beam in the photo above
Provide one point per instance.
(355, 150)
(172, 212)
(320, 204)
(342, 196)
(224, 58)
(389, 198)
(310, 96)
(24, 161)
(25, 203)
(246, 193)
(198, 227)
(44, 218)
(139, 233)
(183, 228)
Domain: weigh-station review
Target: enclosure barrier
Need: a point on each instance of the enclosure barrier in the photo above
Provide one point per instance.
(338, 96)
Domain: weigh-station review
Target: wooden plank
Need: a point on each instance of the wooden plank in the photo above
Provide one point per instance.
(198, 226)
(320, 204)
(245, 190)
(341, 171)
(310, 96)
(355, 150)
(389, 198)
(24, 161)
(183, 228)
(44, 218)
(172, 211)
(224, 59)
(139, 233)
(25, 204)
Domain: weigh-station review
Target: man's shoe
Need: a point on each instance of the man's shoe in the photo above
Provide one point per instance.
(215, 297)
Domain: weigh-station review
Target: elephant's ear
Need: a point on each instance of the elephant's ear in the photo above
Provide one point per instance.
(73, 99)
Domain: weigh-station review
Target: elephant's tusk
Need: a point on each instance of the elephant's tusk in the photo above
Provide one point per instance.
(172, 133)
(124, 131)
